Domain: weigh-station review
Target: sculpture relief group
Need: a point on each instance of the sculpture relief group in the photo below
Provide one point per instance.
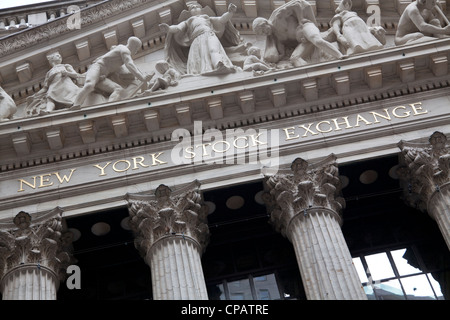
(207, 45)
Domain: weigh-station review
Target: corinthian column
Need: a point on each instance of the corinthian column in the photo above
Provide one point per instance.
(306, 208)
(33, 256)
(171, 234)
(425, 176)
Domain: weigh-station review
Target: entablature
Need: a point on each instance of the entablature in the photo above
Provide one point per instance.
(239, 100)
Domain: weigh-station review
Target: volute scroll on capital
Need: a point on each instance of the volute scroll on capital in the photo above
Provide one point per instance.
(424, 168)
(42, 242)
(304, 187)
(168, 213)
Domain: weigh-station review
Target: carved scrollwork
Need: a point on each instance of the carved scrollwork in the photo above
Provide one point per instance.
(305, 186)
(168, 213)
(424, 168)
(43, 243)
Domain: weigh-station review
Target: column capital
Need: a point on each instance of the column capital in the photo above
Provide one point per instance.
(41, 242)
(166, 214)
(303, 187)
(424, 169)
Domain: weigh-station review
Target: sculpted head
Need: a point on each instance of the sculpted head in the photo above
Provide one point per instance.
(134, 44)
(344, 5)
(54, 58)
(195, 9)
(162, 66)
(438, 140)
(261, 26)
(22, 220)
(428, 4)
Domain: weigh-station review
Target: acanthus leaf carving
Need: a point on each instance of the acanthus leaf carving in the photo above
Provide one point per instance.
(305, 186)
(43, 243)
(167, 214)
(424, 168)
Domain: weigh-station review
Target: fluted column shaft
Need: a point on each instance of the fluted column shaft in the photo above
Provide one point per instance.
(439, 209)
(305, 207)
(324, 260)
(176, 269)
(171, 233)
(30, 282)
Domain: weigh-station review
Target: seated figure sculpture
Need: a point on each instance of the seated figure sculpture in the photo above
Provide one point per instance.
(112, 65)
(195, 46)
(253, 62)
(7, 106)
(169, 77)
(293, 26)
(352, 32)
(421, 21)
(58, 91)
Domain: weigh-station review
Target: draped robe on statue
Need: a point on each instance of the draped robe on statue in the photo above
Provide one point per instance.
(191, 50)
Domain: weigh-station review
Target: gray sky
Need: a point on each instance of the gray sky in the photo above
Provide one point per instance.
(17, 3)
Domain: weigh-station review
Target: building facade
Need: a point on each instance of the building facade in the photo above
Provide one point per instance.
(225, 150)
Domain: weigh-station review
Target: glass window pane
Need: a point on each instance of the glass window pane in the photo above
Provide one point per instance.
(379, 266)
(436, 286)
(216, 292)
(360, 269)
(240, 290)
(418, 288)
(389, 290)
(369, 292)
(402, 259)
(266, 287)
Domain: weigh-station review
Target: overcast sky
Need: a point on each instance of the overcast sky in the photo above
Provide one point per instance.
(18, 3)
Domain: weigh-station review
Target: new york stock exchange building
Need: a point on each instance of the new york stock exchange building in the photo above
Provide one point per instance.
(225, 150)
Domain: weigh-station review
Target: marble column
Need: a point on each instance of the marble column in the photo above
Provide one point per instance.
(33, 256)
(424, 174)
(171, 234)
(305, 207)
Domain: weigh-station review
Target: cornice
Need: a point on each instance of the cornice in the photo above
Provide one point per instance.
(58, 27)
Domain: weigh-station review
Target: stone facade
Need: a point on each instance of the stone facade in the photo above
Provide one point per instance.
(107, 103)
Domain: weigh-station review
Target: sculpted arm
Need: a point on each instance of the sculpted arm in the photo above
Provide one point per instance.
(425, 27)
(228, 15)
(129, 63)
(172, 29)
(336, 25)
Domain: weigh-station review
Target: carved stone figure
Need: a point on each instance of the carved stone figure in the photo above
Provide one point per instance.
(253, 62)
(115, 66)
(291, 33)
(169, 76)
(422, 20)
(352, 32)
(7, 106)
(197, 44)
(58, 91)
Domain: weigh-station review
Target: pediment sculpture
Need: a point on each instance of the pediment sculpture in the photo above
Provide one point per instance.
(7, 106)
(203, 44)
(422, 20)
(196, 45)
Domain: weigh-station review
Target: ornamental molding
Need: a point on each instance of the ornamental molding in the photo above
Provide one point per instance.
(42, 242)
(308, 90)
(424, 169)
(305, 187)
(168, 214)
(57, 27)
